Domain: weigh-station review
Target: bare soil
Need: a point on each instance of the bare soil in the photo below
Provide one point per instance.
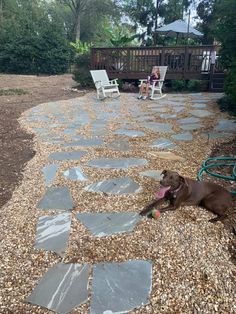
(15, 143)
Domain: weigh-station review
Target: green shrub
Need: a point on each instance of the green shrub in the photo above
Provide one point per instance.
(81, 69)
(178, 85)
(197, 85)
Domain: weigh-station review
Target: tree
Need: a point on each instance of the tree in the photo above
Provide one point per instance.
(225, 30)
(88, 12)
(32, 39)
(174, 10)
(205, 11)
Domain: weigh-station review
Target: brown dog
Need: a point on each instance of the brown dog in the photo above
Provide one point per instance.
(184, 191)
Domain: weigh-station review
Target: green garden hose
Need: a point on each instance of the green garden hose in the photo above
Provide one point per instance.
(219, 162)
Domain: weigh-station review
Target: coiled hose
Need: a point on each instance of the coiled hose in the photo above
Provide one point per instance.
(213, 162)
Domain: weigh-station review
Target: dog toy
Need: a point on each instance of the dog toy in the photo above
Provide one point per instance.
(156, 214)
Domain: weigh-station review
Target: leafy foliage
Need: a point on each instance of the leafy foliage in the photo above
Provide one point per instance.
(225, 30)
(32, 41)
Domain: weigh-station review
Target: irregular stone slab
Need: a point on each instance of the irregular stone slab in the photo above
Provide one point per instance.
(193, 126)
(159, 127)
(67, 155)
(163, 143)
(124, 185)
(201, 113)
(68, 131)
(49, 173)
(53, 233)
(183, 136)
(62, 288)
(75, 174)
(168, 116)
(217, 135)
(120, 287)
(56, 198)
(155, 174)
(106, 224)
(122, 163)
(199, 106)
(226, 125)
(120, 145)
(188, 120)
(161, 109)
(130, 133)
(167, 155)
(178, 109)
(86, 142)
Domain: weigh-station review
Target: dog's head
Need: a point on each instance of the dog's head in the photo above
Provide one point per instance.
(171, 179)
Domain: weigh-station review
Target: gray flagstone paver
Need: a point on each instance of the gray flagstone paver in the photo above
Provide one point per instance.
(49, 173)
(124, 185)
(108, 223)
(57, 198)
(118, 163)
(62, 288)
(52, 233)
(120, 287)
(74, 155)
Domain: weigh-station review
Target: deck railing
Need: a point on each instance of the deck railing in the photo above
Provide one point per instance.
(136, 62)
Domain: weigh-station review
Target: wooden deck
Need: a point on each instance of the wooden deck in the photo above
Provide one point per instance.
(184, 62)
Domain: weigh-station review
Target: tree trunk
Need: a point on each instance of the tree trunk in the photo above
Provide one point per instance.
(77, 26)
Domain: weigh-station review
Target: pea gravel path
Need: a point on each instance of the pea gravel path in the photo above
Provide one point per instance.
(192, 268)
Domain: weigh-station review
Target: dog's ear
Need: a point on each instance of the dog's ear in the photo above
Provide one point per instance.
(183, 180)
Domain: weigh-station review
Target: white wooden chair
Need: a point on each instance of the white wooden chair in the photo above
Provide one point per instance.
(157, 87)
(103, 85)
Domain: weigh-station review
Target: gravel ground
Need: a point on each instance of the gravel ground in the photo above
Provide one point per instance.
(192, 267)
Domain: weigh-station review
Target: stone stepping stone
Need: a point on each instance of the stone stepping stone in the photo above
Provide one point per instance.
(130, 133)
(161, 109)
(67, 155)
(159, 127)
(75, 174)
(120, 287)
(57, 198)
(199, 106)
(120, 145)
(168, 116)
(217, 135)
(53, 232)
(86, 142)
(188, 120)
(183, 136)
(122, 163)
(226, 125)
(49, 173)
(155, 174)
(69, 131)
(178, 109)
(106, 224)
(50, 139)
(189, 127)
(62, 288)
(124, 185)
(201, 113)
(167, 156)
(163, 143)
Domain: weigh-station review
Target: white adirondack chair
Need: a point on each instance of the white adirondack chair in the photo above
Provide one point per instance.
(103, 85)
(159, 83)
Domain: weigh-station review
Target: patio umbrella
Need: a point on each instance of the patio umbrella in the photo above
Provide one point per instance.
(179, 27)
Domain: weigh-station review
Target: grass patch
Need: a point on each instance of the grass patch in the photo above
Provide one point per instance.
(12, 91)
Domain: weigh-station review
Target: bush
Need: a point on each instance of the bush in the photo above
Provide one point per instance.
(81, 69)
(189, 85)
(197, 85)
(178, 85)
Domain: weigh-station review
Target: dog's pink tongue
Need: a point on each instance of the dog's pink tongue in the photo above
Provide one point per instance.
(161, 193)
